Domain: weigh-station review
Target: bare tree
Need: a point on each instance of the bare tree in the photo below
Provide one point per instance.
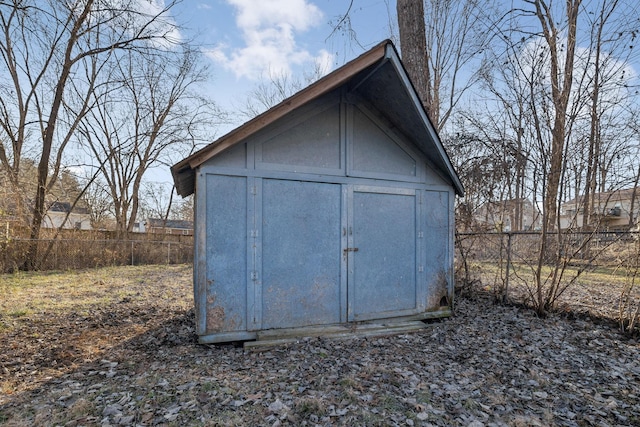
(183, 210)
(100, 205)
(442, 42)
(611, 44)
(558, 90)
(274, 88)
(458, 33)
(149, 113)
(52, 53)
(561, 60)
(157, 200)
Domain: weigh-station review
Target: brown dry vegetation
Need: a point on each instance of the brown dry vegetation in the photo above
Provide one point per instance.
(115, 346)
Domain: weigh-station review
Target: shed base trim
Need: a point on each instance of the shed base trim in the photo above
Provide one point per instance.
(380, 327)
(226, 337)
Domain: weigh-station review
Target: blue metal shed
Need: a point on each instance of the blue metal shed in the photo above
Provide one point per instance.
(336, 206)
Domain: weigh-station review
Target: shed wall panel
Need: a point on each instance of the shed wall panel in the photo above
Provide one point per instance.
(226, 253)
(234, 157)
(374, 151)
(437, 248)
(313, 143)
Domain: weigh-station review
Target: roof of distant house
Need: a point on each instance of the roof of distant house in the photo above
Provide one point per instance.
(169, 223)
(67, 207)
(606, 196)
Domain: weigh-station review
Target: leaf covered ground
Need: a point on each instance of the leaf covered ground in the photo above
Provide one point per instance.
(116, 346)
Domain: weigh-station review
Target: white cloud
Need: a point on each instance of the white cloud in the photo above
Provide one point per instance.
(254, 14)
(269, 29)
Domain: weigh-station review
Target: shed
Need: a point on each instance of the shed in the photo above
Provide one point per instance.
(335, 207)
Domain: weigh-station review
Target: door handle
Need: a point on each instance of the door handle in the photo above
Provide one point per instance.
(350, 249)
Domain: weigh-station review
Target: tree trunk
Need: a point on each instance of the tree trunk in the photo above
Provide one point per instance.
(594, 131)
(413, 46)
(561, 81)
(560, 89)
(633, 219)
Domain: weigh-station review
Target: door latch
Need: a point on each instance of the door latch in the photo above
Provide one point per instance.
(351, 249)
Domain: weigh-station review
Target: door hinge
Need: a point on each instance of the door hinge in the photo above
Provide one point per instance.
(420, 234)
(254, 190)
(420, 268)
(253, 233)
(254, 275)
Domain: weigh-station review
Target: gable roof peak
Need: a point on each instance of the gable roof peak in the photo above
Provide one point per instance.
(379, 77)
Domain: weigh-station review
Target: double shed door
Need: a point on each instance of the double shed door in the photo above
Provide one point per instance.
(328, 253)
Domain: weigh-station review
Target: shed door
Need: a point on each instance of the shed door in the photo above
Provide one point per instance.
(301, 242)
(382, 253)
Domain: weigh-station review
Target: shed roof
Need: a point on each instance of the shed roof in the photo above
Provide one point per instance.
(377, 76)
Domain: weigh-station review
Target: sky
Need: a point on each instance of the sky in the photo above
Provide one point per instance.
(245, 40)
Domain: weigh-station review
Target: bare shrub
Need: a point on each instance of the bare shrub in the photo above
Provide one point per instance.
(629, 305)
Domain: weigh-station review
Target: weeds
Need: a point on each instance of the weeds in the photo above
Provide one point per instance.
(306, 407)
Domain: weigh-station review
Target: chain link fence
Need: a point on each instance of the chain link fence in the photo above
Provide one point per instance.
(592, 273)
(69, 254)
(595, 273)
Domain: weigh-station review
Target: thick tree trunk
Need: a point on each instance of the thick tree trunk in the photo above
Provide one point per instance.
(413, 46)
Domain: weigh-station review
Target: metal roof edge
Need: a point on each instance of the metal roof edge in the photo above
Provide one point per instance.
(392, 55)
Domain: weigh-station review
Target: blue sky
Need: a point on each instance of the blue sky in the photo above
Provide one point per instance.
(245, 40)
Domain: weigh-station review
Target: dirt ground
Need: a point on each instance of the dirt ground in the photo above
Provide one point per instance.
(117, 347)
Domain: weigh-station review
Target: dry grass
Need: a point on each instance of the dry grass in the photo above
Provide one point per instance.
(57, 292)
(595, 292)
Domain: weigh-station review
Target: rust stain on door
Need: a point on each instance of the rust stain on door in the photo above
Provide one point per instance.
(215, 315)
(438, 295)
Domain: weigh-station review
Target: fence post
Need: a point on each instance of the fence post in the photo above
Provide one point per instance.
(506, 281)
(132, 252)
(169, 253)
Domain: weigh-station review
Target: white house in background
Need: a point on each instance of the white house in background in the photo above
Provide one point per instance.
(78, 218)
(169, 226)
(612, 210)
(508, 215)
